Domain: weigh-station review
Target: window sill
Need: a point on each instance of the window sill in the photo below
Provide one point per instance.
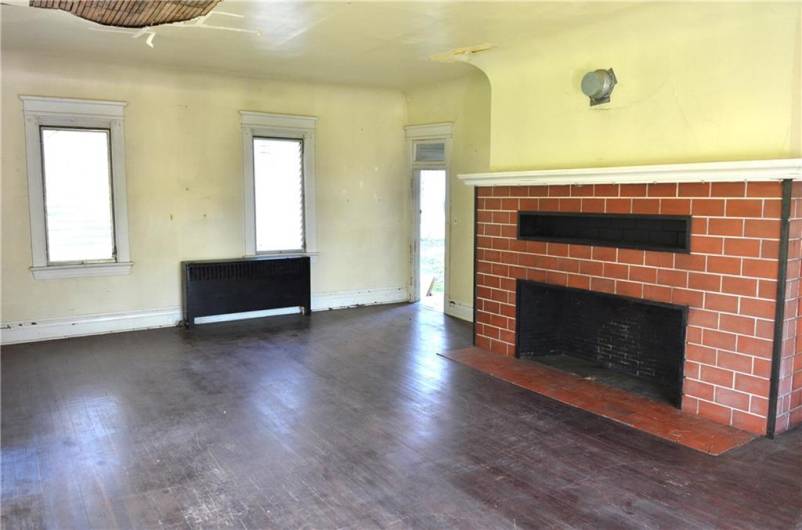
(53, 272)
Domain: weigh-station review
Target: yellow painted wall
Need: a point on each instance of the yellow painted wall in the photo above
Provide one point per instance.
(466, 103)
(184, 181)
(697, 82)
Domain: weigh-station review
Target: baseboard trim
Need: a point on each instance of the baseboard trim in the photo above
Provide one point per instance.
(459, 310)
(98, 324)
(344, 299)
(60, 328)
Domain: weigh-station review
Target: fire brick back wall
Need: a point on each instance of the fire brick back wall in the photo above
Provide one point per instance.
(728, 281)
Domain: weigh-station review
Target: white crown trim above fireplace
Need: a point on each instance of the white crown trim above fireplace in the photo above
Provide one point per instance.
(752, 170)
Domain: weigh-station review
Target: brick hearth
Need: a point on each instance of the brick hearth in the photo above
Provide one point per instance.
(728, 281)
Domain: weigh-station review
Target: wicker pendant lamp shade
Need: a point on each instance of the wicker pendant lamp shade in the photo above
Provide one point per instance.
(131, 13)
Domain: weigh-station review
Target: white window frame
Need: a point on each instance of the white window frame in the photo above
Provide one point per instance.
(75, 113)
(265, 125)
(440, 133)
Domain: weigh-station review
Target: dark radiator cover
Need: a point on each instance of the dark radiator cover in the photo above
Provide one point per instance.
(218, 287)
(642, 338)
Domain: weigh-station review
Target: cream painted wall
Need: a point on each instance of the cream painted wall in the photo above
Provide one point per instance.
(697, 82)
(465, 102)
(184, 181)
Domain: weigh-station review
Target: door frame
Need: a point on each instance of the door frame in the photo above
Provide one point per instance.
(428, 134)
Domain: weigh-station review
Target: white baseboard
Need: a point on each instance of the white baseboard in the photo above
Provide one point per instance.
(59, 328)
(459, 310)
(343, 299)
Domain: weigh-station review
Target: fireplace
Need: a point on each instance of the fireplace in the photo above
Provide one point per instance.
(633, 344)
(722, 240)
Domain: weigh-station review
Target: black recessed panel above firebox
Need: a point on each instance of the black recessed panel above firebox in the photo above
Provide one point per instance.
(627, 342)
(648, 232)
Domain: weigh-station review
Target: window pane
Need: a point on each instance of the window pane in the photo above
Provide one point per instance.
(77, 195)
(278, 189)
(430, 152)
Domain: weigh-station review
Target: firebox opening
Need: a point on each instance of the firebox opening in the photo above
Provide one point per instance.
(632, 344)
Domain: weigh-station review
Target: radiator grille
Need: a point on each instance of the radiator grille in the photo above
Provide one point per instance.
(248, 270)
(244, 285)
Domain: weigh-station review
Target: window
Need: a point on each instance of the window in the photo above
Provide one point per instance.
(278, 172)
(76, 186)
(278, 194)
(77, 195)
(428, 151)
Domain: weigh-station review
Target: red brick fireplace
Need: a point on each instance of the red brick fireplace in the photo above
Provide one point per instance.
(741, 367)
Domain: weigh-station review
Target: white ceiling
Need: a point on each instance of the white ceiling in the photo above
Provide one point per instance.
(386, 44)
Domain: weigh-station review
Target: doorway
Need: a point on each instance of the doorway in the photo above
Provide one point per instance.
(432, 238)
(429, 149)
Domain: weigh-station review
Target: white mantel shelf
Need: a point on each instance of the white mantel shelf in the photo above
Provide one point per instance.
(752, 170)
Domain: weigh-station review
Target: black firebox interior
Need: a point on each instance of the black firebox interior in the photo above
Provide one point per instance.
(625, 342)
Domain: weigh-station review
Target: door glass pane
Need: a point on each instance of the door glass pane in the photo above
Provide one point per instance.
(278, 191)
(78, 203)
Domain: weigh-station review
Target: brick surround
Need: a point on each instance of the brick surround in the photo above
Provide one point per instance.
(728, 281)
(789, 403)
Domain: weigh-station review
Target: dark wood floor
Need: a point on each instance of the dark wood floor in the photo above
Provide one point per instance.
(346, 419)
